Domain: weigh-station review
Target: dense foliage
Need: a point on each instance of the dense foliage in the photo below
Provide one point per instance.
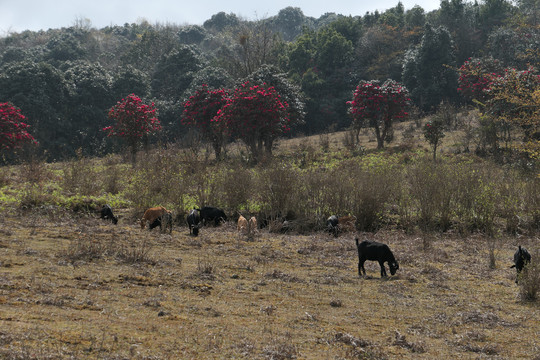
(66, 79)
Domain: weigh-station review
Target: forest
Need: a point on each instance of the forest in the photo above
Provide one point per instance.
(65, 81)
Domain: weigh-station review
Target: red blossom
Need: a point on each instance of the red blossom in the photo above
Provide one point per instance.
(13, 129)
(134, 119)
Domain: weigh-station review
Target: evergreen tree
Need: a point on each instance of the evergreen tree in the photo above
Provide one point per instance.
(428, 69)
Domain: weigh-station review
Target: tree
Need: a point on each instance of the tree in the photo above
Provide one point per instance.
(135, 121)
(379, 105)
(201, 111)
(42, 94)
(13, 128)
(459, 18)
(174, 72)
(287, 90)
(221, 21)
(322, 63)
(475, 77)
(129, 80)
(289, 22)
(515, 100)
(257, 115)
(428, 69)
(434, 132)
(192, 34)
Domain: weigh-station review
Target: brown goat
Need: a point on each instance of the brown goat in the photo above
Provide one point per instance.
(152, 214)
(252, 226)
(242, 225)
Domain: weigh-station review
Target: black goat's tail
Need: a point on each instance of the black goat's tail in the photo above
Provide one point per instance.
(357, 243)
(513, 266)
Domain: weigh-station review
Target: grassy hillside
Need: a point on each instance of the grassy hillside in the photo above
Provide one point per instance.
(74, 286)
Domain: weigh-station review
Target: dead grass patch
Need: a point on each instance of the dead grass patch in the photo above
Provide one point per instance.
(282, 296)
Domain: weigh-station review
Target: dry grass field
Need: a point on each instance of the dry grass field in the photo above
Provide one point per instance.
(79, 287)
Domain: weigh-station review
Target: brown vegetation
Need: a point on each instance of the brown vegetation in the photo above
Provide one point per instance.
(74, 286)
(79, 287)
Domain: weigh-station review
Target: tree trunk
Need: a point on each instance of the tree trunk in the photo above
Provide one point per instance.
(380, 139)
(268, 146)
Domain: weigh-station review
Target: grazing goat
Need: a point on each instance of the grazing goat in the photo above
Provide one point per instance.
(242, 225)
(375, 251)
(164, 221)
(252, 225)
(332, 225)
(194, 222)
(212, 214)
(151, 215)
(521, 258)
(107, 214)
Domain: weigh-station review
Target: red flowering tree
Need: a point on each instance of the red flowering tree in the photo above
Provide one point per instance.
(201, 112)
(135, 121)
(476, 77)
(257, 115)
(13, 129)
(377, 105)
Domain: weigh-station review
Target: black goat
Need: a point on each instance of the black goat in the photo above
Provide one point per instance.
(194, 222)
(164, 222)
(332, 225)
(155, 223)
(521, 258)
(212, 214)
(107, 214)
(375, 251)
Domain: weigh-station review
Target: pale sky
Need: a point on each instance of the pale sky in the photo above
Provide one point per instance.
(20, 15)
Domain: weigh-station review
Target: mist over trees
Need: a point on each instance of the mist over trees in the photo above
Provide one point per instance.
(65, 80)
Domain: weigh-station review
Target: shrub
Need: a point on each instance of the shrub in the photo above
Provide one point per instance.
(155, 181)
(235, 184)
(529, 279)
(80, 176)
(431, 189)
(278, 188)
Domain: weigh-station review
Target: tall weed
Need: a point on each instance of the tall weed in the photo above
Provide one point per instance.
(81, 177)
(529, 279)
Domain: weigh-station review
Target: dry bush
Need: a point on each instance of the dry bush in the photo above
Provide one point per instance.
(529, 279)
(112, 179)
(80, 176)
(137, 252)
(431, 189)
(531, 198)
(85, 249)
(34, 170)
(156, 181)
(351, 141)
(278, 188)
(5, 176)
(34, 196)
(280, 350)
(235, 184)
(373, 190)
